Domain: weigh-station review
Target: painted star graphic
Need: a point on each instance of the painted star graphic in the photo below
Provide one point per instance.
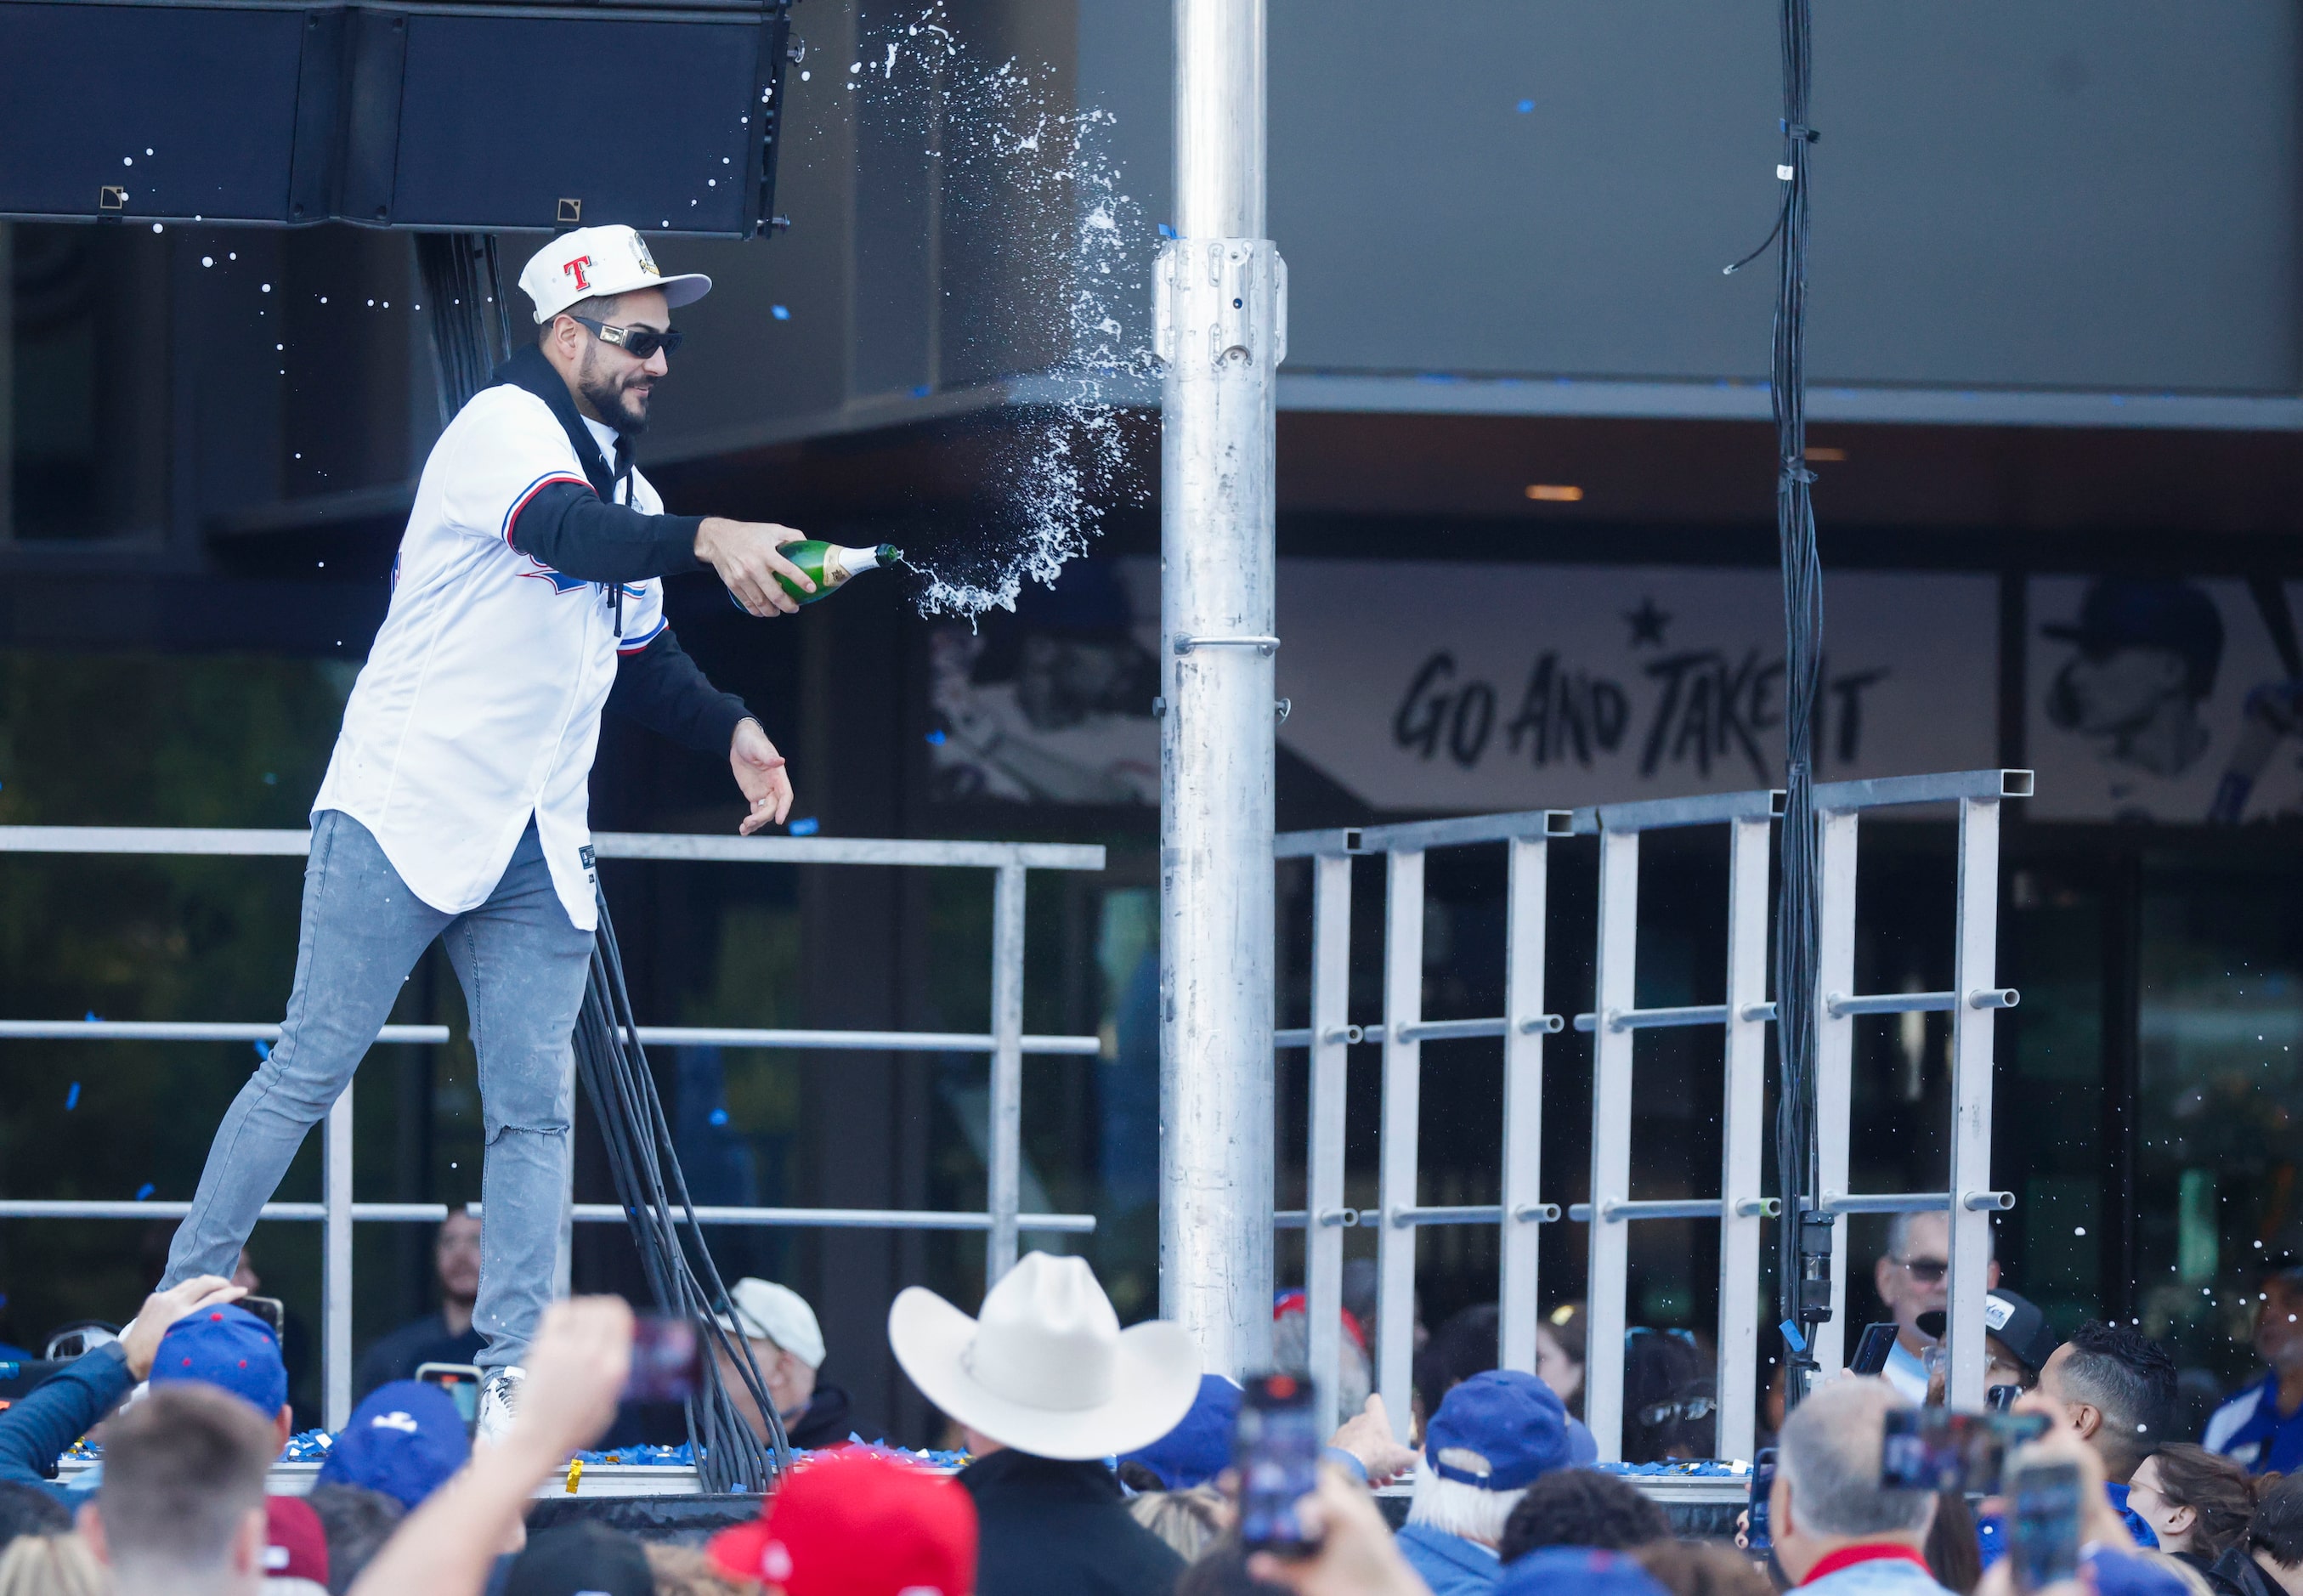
(1647, 622)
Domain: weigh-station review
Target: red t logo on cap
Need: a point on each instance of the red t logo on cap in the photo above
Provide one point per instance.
(574, 268)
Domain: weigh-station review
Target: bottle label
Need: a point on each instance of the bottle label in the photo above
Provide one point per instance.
(835, 569)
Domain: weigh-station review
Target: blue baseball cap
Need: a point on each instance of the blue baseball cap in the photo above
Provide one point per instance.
(227, 1347)
(1199, 1447)
(1498, 1430)
(405, 1439)
(1575, 1571)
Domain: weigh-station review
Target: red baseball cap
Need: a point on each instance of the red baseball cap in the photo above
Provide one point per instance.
(295, 1546)
(858, 1523)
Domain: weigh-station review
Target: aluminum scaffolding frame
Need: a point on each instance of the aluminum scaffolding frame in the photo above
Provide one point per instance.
(1614, 1023)
(336, 1213)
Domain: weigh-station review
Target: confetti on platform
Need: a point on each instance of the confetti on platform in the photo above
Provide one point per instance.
(807, 827)
(144, 1191)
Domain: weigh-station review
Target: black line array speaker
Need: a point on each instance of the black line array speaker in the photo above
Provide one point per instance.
(473, 118)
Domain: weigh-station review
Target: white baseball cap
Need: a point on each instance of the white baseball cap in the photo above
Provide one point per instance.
(767, 1312)
(601, 261)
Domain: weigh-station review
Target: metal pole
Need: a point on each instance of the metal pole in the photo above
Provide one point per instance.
(1742, 1133)
(1522, 1150)
(1971, 1025)
(1219, 308)
(1323, 1185)
(1396, 1150)
(1834, 1056)
(1611, 1140)
(1006, 1173)
(336, 1266)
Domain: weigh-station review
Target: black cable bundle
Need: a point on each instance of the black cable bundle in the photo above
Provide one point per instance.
(1803, 1239)
(471, 333)
(614, 1070)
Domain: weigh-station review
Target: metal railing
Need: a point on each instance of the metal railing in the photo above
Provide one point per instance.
(336, 1212)
(1741, 1208)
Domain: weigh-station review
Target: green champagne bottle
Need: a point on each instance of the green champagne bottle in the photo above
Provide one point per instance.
(829, 565)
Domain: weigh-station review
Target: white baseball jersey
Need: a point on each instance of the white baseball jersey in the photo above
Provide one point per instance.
(479, 705)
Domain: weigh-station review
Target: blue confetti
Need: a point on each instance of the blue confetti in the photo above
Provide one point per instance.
(781, 312)
(144, 1191)
(264, 1049)
(935, 738)
(71, 1098)
(805, 828)
(1167, 231)
(92, 1016)
(719, 1116)
(922, 391)
(1525, 107)
(1791, 1333)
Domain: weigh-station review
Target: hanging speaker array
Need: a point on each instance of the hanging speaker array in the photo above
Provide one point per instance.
(472, 118)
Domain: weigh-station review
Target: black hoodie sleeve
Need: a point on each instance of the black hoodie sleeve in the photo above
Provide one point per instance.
(664, 690)
(567, 526)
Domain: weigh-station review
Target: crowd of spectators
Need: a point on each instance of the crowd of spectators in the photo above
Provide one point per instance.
(1098, 1461)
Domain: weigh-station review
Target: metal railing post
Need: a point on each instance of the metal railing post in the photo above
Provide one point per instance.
(1005, 1197)
(1742, 1133)
(1611, 1138)
(336, 1264)
(1323, 1182)
(1526, 879)
(1971, 1027)
(1403, 1092)
(1834, 1057)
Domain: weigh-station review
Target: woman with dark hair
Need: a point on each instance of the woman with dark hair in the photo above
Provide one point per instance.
(2197, 1502)
(1670, 1399)
(1559, 1354)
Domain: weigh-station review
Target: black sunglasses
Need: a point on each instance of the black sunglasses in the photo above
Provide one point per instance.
(640, 343)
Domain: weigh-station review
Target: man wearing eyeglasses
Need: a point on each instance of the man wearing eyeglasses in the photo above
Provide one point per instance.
(527, 597)
(1913, 1277)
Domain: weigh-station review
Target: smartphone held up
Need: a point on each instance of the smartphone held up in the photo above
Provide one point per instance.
(1275, 1454)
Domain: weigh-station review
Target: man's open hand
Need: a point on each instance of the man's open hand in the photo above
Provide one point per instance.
(743, 553)
(163, 1308)
(760, 772)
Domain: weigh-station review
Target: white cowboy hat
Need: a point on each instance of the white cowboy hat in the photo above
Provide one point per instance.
(1047, 1369)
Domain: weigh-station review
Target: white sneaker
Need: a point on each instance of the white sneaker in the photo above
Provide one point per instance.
(498, 1404)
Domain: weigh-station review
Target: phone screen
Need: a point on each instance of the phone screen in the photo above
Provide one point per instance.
(667, 1360)
(270, 1310)
(1871, 1352)
(1756, 1533)
(461, 1381)
(1275, 1449)
(1942, 1449)
(2043, 1527)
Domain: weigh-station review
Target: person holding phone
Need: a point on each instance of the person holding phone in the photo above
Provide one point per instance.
(1837, 1528)
(1913, 1277)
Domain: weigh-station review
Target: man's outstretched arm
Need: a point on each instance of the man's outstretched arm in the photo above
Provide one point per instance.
(572, 530)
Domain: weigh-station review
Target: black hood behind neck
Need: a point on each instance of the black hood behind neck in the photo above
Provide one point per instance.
(528, 369)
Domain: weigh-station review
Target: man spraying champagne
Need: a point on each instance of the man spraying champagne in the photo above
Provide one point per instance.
(527, 596)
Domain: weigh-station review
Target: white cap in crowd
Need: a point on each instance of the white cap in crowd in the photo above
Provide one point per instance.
(767, 1312)
(601, 261)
